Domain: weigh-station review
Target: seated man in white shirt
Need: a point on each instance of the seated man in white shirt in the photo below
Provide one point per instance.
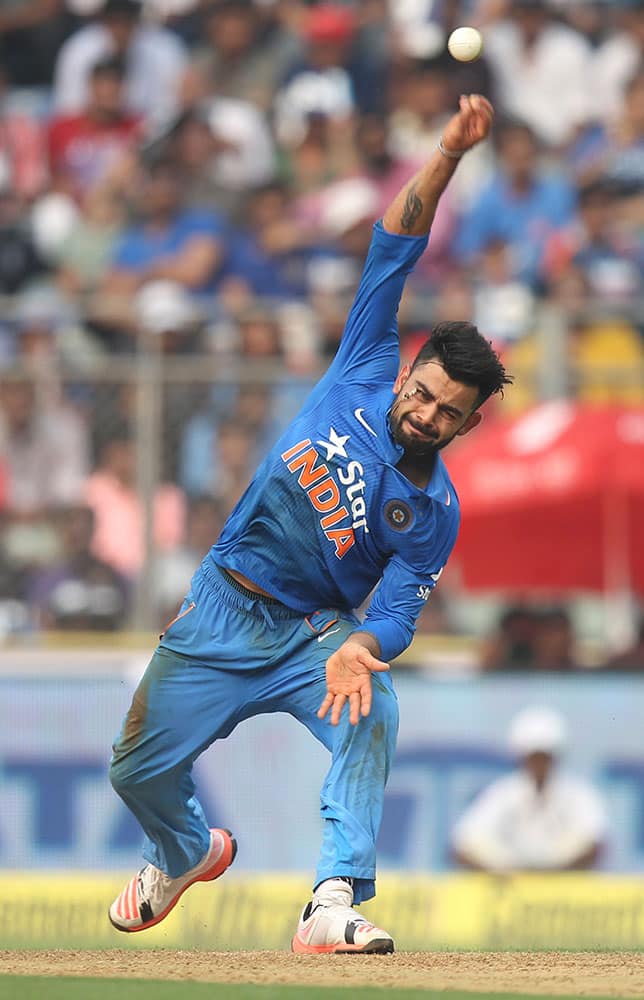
(536, 818)
(155, 58)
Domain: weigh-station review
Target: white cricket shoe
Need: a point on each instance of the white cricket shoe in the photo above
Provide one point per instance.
(330, 924)
(151, 894)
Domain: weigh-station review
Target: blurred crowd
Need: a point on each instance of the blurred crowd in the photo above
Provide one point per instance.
(184, 180)
(535, 637)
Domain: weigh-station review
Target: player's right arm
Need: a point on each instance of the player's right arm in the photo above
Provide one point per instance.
(369, 347)
(412, 211)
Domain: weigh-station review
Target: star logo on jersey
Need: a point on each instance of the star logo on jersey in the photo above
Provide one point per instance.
(334, 447)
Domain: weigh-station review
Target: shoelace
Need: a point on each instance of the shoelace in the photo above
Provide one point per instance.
(152, 883)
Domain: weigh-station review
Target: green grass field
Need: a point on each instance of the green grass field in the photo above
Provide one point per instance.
(63, 988)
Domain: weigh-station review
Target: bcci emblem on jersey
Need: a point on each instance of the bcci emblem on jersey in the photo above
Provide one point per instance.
(398, 515)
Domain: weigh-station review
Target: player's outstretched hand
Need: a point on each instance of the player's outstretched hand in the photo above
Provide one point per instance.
(471, 124)
(348, 678)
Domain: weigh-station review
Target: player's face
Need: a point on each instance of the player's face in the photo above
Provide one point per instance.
(431, 409)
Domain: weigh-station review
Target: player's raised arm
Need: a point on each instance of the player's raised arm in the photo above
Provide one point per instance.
(411, 213)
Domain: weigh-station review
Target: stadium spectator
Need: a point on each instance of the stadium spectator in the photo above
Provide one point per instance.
(83, 147)
(347, 211)
(221, 148)
(193, 147)
(631, 659)
(14, 610)
(321, 83)
(368, 52)
(503, 306)
(604, 353)
(271, 251)
(421, 107)
(616, 56)
(345, 223)
(51, 220)
(244, 144)
(243, 54)
(23, 164)
(542, 69)
(179, 15)
(166, 243)
(614, 151)
(111, 493)
(531, 638)
(45, 447)
(317, 153)
(84, 257)
(512, 645)
(232, 461)
(20, 259)
(155, 60)
(522, 205)
(223, 438)
(453, 297)
(537, 818)
(600, 245)
(42, 320)
(554, 640)
(377, 161)
(31, 34)
(78, 591)
(165, 310)
(173, 570)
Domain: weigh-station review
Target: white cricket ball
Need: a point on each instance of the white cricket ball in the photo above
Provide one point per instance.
(465, 44)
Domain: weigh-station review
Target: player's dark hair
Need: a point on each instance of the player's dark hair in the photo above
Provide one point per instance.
(466, 356)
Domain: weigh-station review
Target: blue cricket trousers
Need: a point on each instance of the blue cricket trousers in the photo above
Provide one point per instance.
(226, 657)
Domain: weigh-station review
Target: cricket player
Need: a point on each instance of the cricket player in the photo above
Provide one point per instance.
(354, 496)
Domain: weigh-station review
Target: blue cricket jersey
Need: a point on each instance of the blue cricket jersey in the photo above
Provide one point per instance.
(327, 515)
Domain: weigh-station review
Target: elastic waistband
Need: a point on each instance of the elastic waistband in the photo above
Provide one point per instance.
(241, 597)
(252, 595)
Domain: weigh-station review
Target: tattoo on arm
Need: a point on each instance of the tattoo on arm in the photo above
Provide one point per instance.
(411, 210)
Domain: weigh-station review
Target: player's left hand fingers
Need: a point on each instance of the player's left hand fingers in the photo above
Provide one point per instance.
(338, 705)
(366, 697)
(325, 706)
(354, 707)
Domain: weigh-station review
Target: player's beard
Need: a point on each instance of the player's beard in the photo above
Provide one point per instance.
(415, 447)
